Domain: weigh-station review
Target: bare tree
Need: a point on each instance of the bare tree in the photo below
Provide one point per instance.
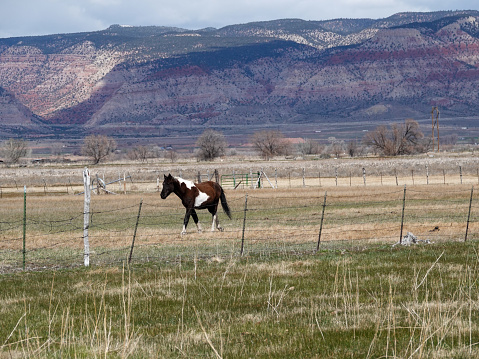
(56, 149)
(139, 153)
(98, 147)
(449, 140)
(337, 148)
(270, 143)
(399, 139)
(352, 148)
(171, 155)
(14, 149)
(309, 147)
(211, 144)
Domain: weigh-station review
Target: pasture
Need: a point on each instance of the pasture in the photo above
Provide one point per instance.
(288, 220)
(197, 296)
(367, 301)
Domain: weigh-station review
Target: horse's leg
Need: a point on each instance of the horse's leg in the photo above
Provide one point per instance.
(185, 221)
(215, 222)
(197, 222)
(218, 223)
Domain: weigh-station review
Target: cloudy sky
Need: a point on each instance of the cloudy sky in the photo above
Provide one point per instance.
(40, 17)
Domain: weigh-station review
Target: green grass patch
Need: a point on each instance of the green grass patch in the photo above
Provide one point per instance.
(342, 302)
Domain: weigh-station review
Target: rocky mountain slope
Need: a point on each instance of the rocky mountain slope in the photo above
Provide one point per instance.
(283, 71)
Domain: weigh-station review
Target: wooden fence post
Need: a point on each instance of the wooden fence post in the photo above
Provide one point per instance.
(70, 182)
(364, 176)
(427, 174)
(86, 216)
(304, 174)
(469, 214)
(460, 173)
(244, 223)
(98, 184)
(402, 215)
(321, 225)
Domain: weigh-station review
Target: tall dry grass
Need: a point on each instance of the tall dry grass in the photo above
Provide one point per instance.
(416, 302)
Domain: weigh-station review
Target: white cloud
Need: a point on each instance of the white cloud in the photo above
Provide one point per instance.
(31, 17)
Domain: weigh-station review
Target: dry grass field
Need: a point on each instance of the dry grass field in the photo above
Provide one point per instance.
(360, 210)
(196, 296)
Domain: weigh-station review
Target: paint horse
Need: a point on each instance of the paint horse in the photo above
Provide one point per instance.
(196, 196)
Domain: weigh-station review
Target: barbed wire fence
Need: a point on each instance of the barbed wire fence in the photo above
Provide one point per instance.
(49, 231)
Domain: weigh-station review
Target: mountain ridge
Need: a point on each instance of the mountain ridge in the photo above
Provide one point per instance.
(279, 71)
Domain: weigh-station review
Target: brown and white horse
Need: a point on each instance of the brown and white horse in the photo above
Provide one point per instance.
(196, 196)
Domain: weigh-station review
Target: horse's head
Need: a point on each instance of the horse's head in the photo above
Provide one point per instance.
(168, 186)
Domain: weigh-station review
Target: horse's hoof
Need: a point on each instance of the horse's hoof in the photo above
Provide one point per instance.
(183, 233)
(200, 231)
(220, 229)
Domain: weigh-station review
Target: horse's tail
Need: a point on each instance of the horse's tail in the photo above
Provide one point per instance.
(224, 204)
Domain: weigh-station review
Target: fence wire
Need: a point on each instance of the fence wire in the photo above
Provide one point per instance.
(295, 222)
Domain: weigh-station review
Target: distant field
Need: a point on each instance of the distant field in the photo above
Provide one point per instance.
(439, 168)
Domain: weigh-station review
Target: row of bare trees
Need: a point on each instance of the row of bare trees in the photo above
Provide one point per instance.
(398, 139)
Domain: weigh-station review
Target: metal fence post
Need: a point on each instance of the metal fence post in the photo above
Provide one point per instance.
(469, 214)
(24, 223)
(134, 233)
(322, 218)
(402, 215)
(244, 223)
